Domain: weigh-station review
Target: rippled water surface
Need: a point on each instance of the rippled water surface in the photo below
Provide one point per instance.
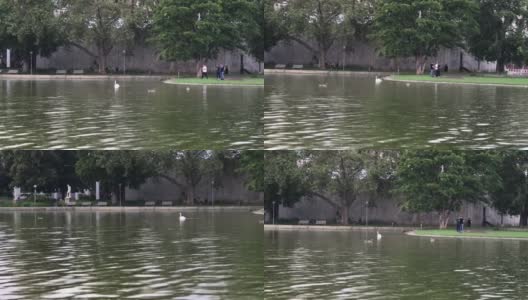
(354, 112)
(130, 256)
(91, 115)
(340, 265)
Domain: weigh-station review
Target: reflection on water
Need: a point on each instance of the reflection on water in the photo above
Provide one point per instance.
(92, 115)
(340, 265)
(130, 255)
(354, 112)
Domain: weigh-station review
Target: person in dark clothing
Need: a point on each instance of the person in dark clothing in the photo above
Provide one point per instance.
(218, 70)
(446, 68)
(468, 223)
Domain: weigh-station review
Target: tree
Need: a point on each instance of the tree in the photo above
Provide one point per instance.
(105, 25)
(440, 181)
(198, 30)
(30, 27)
(187, 169)
(116, 170)
(252, 163)
(419, 28)
(512, 195)
(274, 24)
(49, 170)
(502, 34)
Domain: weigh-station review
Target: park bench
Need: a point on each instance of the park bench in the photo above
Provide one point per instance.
(61, 72)
(12, 72)
(101, 203)
(304, 222)
(150, 203)
(320, 222)
(280, 66)
(298, 67)
(78, 72)
(166, 203)
(86, 203)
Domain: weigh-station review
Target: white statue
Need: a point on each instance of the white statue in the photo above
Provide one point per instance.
(68, 193)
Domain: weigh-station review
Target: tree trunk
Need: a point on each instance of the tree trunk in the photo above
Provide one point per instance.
(444, 219)
(343, 211)
(198, 68)
(190, 195)
(523, 220)
(322, 59)
(420, 64)
(122, 195)
(500, 65)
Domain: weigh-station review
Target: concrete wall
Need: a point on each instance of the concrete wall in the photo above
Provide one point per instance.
(386, 210)
(363, 55)
(233, 191)
(142, 59)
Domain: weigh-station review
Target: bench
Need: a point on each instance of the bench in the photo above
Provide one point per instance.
(78, 72)
(298, 67)
(320, 222)
(85, 203)
(61, 72)
(304, 222)
(280, 66)
(101, 203)
(12, 71)
(150, 203)
(166, 203)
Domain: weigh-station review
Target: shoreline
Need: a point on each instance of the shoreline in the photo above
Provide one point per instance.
(82, 77)
(248, 208)
(213, 84)
(323, 72)
(413, 233)
(277, 227)
(390, 78)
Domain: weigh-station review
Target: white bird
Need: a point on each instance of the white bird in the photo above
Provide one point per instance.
(116, 85)
(407, 84)
(432, 240)
(378, 80)
(182, 218)
(188, 89)
(378, 235)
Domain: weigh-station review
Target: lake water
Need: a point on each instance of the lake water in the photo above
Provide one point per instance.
(103, 255)
(91, 115)
(340, 265)
(354, 112)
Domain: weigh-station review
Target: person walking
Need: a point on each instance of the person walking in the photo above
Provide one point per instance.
(222, 72)
(204, 72)
(217, 72)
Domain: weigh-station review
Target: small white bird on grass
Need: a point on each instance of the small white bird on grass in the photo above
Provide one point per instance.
(182, 218)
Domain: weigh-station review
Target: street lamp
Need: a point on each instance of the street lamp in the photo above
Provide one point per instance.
(35, 194)
(212, 192)
(366, 214)
(273, 213)
(124, 62)
(31, 62)
(120, 194)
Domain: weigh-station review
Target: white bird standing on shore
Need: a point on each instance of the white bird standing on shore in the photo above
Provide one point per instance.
(182, 218)
(378, 235)
(116, 85)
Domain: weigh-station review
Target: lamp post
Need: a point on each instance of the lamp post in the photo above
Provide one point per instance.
(212, 192)
(120, 194)
(273, 213)
(34, 194)
(31, 62)
(124, 62)
(366, 214)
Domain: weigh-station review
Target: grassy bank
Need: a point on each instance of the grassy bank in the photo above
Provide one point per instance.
(239, 81)
(516, 234)
(484, 80)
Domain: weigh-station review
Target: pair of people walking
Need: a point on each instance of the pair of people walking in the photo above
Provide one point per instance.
(221, 72)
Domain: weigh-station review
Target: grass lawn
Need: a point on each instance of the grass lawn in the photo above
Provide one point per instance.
(474, 233)
(498, 80)
(240, 81)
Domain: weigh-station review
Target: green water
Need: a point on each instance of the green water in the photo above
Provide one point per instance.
(353, 112)
(341, 265)
(92, 115)
(103, 255)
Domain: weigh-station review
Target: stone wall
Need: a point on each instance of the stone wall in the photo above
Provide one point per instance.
(142, 59)
(386, 211)
(233, 191)
(364, 56)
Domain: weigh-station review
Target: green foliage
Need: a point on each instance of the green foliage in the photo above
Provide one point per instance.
(198, 30)
(502, 34)
(418, 28)
(252, 163)
(440, 181)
